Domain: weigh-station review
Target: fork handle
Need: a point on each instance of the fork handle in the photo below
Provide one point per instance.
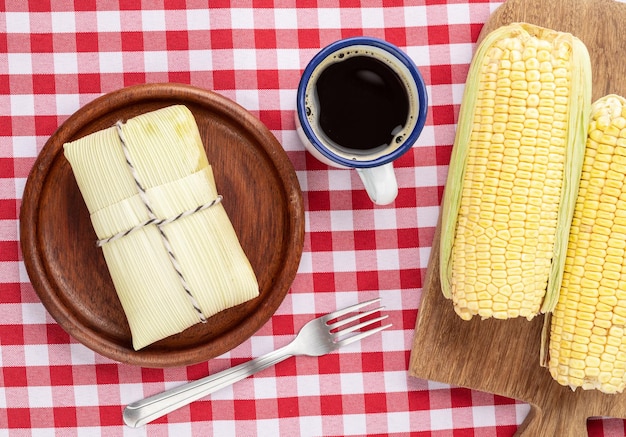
(146, 410)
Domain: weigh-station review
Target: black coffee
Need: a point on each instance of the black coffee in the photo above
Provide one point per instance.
(362, 102)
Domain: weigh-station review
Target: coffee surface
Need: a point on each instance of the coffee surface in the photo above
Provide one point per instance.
(362, 102)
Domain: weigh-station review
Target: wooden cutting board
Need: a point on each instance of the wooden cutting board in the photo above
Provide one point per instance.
(502, 357)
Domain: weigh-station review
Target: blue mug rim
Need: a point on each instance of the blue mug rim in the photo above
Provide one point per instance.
(398, 54)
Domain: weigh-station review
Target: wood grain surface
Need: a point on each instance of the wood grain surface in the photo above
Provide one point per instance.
(502, 357)
(261, 196)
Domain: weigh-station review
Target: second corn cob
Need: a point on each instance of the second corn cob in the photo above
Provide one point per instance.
(587, 346)
(514, 172)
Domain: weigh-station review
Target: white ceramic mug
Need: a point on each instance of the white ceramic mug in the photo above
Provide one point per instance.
(374, 164)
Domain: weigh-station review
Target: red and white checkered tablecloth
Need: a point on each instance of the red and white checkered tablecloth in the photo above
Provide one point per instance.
(58, 55)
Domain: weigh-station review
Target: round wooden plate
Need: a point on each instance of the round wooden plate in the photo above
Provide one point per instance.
(261, 196)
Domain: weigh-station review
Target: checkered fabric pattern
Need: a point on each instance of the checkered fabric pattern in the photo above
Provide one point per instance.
(58, 55)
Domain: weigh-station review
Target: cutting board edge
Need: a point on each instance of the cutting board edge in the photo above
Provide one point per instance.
(505, 14)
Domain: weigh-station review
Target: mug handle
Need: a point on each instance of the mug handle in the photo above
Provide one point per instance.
(380, 183)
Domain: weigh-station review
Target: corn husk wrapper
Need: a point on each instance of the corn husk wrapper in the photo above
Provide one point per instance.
(166, 151)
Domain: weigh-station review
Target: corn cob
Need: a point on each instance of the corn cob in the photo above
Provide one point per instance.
(587, 343)
(514, 172)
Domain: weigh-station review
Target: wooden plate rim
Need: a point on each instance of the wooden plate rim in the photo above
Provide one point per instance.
(30, 207)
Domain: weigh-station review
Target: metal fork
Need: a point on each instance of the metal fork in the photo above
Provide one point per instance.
(318, 337)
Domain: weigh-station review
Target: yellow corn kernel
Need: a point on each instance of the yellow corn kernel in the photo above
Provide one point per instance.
(598, 242)
(523, 195)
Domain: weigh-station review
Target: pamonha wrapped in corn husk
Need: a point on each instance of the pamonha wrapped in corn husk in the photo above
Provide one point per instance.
(170, 247)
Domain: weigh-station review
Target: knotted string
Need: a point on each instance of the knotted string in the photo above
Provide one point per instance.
(154, 220)
(159, 222)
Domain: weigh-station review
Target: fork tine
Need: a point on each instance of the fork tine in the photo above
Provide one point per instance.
(361, 335)
(360, 325)
(349, 309)
(353, 318)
